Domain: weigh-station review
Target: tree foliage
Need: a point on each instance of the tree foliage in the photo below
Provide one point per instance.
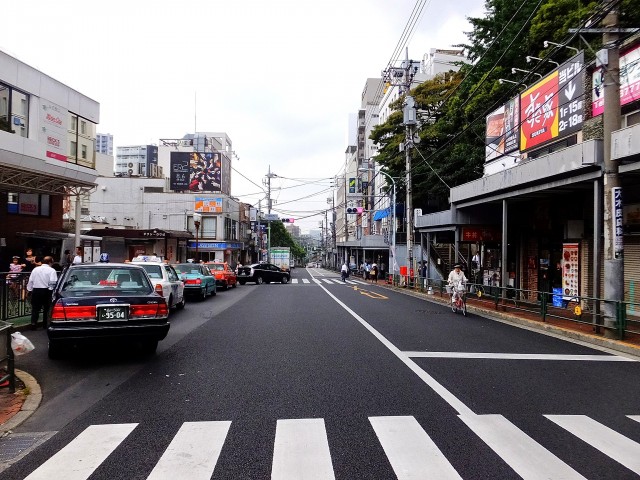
(453, 107)
(280, 237)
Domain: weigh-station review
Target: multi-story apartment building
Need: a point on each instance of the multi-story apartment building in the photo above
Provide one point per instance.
(137, 161)
(104, 143)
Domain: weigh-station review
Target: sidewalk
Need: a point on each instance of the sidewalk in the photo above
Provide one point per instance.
(16, 407)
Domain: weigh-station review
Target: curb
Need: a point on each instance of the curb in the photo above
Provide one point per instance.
(591, 340)
(31, 403)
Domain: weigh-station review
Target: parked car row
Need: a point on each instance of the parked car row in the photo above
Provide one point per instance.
(132, 301)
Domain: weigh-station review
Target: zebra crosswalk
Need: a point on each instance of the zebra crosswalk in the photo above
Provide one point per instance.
(302, 448)
(327, 281)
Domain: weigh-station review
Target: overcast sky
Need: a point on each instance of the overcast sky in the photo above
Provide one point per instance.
(280, 77)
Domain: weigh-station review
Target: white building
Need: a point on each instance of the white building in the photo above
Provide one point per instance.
(138, 161)
(104, 143)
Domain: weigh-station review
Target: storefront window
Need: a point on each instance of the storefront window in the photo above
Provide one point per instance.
(14, 111)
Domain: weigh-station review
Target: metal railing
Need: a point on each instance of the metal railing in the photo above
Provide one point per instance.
(7, 363)
(13, 296)
(538, 305)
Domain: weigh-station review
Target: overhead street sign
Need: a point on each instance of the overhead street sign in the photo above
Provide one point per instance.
(271, 217)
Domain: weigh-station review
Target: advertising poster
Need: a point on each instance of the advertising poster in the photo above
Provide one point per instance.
(512, 125)
(54, 129)
(570, 271)
(553, 107)
(179, 175)
(28, 204)
(205, 172)
(208, 205)
(495, 134)
(629, 82)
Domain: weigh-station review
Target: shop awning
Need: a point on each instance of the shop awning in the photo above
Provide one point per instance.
(380, 214)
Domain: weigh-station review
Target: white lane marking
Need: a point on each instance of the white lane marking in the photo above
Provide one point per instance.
(193, 452)
(523, 454)
(301, 450)
(634, 417)
(294, 280)
(304, 280)
(85, 453)
(445, 394)
(361, 282)
(326, 280)
(317, 281)
(608, 441)
(519, 356)
(351, 282)
(410, 451)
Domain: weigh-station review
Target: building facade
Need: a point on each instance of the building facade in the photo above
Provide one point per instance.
(47, 151)
(104, 143)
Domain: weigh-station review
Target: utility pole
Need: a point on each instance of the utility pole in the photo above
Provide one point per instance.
(613, 234)
(409, 120)
(269, 202)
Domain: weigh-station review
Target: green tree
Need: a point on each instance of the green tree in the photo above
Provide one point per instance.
(280, 237)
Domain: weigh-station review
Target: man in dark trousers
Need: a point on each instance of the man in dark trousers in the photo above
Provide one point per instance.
(41, 283)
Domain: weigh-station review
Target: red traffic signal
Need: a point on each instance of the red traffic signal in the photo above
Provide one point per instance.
(288, 220)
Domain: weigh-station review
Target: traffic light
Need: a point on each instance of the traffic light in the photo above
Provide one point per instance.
(355, 210)
(288, 220)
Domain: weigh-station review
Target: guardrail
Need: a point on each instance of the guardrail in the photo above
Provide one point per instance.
(13, 295)
(539, 305)
(7, 371)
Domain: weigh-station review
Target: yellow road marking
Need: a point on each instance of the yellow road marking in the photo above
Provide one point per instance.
(370, 294)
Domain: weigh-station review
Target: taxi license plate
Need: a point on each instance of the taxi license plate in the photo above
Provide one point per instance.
(113, 313)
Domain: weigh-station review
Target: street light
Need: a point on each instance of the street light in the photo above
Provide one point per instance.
(546, 44)
(514, 70)
(530, 57)
(197, 218)
(393, 213)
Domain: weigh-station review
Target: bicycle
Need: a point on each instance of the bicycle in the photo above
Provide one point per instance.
(458, 293)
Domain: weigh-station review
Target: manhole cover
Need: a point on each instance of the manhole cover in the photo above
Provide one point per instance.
(15, 444)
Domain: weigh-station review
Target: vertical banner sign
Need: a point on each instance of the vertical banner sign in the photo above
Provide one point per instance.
(618, 243)
(54, 130)
(352, 185)
(553, 107)
(570, 271)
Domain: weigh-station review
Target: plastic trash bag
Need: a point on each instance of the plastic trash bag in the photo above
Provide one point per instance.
(20, 344)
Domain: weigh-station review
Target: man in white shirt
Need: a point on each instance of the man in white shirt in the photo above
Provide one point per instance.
(78, 258)
(41, 283)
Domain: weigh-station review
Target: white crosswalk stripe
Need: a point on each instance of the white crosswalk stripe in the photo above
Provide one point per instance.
(528, 458)
(294, 281)
(608, 441)
(326, 280)
(301, 449)
(85, 453)
(193, 453)
(304, 280)
(351, 282)
(410, 450)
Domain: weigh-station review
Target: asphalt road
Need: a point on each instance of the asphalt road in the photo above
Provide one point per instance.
(322, 379)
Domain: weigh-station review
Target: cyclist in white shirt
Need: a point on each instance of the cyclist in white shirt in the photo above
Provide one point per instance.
(456, 277)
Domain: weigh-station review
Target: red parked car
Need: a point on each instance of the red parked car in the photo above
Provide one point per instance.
(225, 277)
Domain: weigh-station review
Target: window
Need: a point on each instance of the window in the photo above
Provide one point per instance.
(19, 112)
(73, 149)
(227, 228)
(83, 127)
(74, 123)
(84, 152)
(234, 230)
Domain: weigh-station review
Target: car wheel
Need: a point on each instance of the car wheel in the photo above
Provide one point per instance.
(242, 282)
(214, 292)
(225, 287)
(285, 279)
(203, 294)
(180, 305)
(235, 284)
(170, 302)
(55, 350)
(259, 280)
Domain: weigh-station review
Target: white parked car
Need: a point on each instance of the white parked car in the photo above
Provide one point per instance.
(165, 280)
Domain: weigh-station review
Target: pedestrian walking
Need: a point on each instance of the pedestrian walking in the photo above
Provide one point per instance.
(41, 283)
(67, 259)
(367, 269)
(373, 274)
(344, 272)
(78, 258)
